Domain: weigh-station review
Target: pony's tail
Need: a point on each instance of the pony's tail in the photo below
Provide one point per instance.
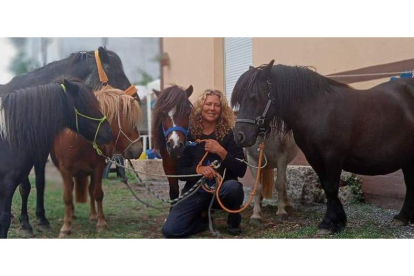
(81, 189)
(267, 178)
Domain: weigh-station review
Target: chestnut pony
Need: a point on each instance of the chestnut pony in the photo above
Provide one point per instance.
(76, 159)
(170, 129)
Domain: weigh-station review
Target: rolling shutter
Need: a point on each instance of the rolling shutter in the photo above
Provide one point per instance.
(238, 56)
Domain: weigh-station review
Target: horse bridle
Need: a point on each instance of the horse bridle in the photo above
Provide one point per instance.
(101, 120)
(126, 136)
(175, 128)
(260, 119)
(131, 90)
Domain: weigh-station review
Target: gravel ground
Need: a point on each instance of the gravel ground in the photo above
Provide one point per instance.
(357, 214)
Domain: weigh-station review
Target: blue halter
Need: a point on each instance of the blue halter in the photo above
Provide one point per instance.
(171, 129)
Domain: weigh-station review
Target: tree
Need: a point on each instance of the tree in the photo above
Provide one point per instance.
(21, 63)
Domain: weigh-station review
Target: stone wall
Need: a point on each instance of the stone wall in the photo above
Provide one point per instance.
(303, 183)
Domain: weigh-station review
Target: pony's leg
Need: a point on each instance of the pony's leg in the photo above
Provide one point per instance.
(44, 224)
(256, 217)
(68, 185)
(170, 167)
(93, 215)
(7, 189)
(26, 230)
(406, 214)
(98, 195)
(335, 217)
(281, 181)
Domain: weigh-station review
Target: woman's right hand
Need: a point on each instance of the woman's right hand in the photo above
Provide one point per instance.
(207, 171)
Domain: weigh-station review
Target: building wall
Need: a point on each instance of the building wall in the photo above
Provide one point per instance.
(333, 55)
(194, 61)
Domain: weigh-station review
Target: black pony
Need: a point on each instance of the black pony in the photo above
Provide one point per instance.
(30, 119)
(83, 66)
(369, 132)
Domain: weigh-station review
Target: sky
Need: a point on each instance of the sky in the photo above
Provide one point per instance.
(7, 52)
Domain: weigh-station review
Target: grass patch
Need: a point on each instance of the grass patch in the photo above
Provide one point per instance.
(129, 219)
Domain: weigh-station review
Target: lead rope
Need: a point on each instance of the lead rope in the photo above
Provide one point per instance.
(220, 179)
(261, 147)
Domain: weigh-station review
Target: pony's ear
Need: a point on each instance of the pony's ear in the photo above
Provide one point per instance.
(103, 54)
(156, 92)
(267, 70)
(189, 91)
(251, 67)
(70, 87)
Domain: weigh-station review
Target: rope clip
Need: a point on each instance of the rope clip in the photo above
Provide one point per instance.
(216, 164)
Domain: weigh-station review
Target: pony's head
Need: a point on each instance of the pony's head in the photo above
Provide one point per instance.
(171, 119)
(124, 115)
(251, 95)
(84, 115)
(86, 66)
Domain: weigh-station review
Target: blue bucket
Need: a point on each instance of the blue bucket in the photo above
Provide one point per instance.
(406, 75)
(152, 154)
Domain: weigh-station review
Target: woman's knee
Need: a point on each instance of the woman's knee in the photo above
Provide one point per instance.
(233, 187)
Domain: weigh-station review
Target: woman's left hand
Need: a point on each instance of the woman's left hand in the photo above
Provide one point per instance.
(214, 147)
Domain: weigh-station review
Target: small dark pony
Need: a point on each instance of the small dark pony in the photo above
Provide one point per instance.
(171, 116)
(76, 159)
(83, 66)
(30, 119)
(369, 132)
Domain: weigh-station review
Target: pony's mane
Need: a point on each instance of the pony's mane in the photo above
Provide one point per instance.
(112, 99)
(288, 83)
(174, 96)
(30, 121)
(86, 55)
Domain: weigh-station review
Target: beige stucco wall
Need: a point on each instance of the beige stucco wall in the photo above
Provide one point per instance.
(332, 55)
(195, 61)
(200, 61)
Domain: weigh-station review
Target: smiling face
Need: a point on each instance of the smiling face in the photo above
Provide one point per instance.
(211, 109)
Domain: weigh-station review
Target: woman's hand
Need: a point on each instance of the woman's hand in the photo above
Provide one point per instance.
(207, 171)
(214, 147)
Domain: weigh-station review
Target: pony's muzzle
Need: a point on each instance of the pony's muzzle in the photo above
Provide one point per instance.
(175, 150)
(134, 151)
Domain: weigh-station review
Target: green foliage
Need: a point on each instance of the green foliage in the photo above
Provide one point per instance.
(355, 183)
(145, 78)
(21, 63)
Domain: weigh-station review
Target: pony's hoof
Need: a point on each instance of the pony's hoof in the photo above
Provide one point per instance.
(64, 234)
(323, 232)
(26, 233)
(43, 227)
(289, 209)
(398, 222)
(282, 217)
(256, 221)
(101, 227)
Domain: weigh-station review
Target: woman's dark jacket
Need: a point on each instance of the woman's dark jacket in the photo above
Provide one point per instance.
(193, 154)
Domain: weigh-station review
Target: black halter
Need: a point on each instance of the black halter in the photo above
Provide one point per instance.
(260, 119)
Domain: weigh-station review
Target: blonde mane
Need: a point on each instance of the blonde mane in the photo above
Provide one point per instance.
(112, 99)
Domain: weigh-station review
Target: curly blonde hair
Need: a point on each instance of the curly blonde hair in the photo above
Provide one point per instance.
(226, 119)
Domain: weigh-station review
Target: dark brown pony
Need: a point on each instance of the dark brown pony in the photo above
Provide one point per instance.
(30, 119)
(76, 159)
(368, 132)
(170, 129)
